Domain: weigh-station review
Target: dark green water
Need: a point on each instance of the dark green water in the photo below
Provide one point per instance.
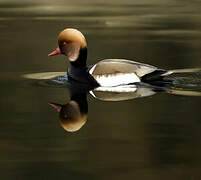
(152, 138)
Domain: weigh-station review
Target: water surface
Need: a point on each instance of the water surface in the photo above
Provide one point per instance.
(155, 137)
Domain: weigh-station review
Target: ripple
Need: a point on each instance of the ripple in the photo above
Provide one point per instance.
(43, 75)
(48, 79)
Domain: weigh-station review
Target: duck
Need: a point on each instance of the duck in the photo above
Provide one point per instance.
(105, 73)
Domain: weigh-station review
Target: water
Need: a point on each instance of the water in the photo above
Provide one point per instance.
(155, 137)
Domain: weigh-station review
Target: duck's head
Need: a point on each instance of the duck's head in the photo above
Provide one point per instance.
(72, 43)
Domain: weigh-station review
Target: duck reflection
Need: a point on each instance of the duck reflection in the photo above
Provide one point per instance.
(73, 114)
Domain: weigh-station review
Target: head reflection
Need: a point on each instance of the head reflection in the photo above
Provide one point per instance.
(73, 114)
(70, 116)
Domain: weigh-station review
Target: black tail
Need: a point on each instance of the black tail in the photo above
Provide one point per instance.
(156, 77)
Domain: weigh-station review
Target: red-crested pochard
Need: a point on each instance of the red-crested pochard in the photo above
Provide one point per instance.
(108, 72)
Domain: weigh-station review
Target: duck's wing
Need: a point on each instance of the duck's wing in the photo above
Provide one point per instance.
(114, 66)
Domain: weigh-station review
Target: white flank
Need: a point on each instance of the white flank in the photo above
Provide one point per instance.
(92, 69)
(117, 79)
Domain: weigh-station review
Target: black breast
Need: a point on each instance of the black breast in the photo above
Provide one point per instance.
(82, 75)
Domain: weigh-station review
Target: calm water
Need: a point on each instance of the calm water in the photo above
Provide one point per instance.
(150, 138)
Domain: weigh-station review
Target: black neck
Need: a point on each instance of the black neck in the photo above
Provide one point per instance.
(78, 70)
(81, 60)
